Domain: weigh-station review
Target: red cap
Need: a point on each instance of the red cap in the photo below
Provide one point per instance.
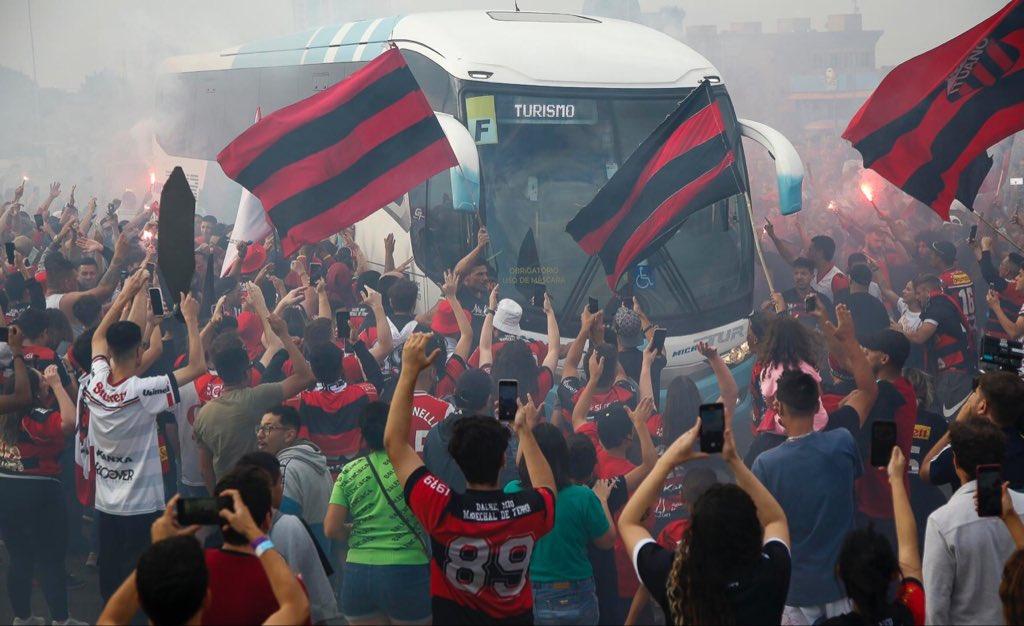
(255, 257)
(444, 322)
(250, 329)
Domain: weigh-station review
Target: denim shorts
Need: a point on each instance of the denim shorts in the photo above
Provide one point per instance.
(398, 592)
(571, 602)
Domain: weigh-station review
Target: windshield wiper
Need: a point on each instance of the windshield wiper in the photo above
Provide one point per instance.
(677, 285)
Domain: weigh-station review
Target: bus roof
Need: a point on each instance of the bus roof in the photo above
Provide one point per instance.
(522, 48)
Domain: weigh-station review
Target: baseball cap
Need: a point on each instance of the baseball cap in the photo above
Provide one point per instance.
(628, 327)
(473, 388)
(945, 250)
(890, 342)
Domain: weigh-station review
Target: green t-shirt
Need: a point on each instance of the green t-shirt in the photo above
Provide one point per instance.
(379, 536)
(561, 555)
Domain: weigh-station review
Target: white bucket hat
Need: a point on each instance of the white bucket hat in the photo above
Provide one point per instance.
(507, 317)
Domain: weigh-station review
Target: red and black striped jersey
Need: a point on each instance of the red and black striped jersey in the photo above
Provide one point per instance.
(958, 285)
(454, 367)
(623, 392)
(38, 446)
(481, 544)
(330, 419)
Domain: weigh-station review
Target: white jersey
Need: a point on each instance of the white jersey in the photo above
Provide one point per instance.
(123, 434)
(53, 300)
(185, 415)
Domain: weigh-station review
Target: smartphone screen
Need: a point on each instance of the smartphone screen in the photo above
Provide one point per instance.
(5, 334)
(39, 221)
(9, 249)
(341, 323)
(658, 341)
(712, 427)
(974, 234)
(314, 271)
(203, 511)
(156, 301)
(990, 491)
(810, 303)
(883, 439)
(508, 393)
(592, 305)
(538, 295)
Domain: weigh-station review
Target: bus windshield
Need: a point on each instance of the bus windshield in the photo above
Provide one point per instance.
(543, 158)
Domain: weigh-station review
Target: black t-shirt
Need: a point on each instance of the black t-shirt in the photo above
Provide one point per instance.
(948, 320)
(477, 307)
(756, 597)
(943, 473)
(869, 314)
(796, 307)
(924, 497)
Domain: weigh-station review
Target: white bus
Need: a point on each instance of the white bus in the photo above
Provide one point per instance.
(542, 109)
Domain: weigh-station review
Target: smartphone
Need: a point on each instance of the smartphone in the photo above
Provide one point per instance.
(658, 341)
(156, 301)
(538, 295)
(314, 271)
(341, 323)
(33, 257)
(592, 305)
(712, 427)
(810, 303)
(39, 221)
(990, 490)
(974, 234)
(883, 439)
(203, 511)
(5, 334)
(508, 394)
(9, 249)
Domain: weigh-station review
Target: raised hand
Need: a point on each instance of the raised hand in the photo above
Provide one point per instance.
(549, 307)
(603, 488)
(527, 415)
(167, 526)
(373, 299)
(189, 308)
(414, 353)
(595, 365)
(54, 189)
(89, 245)
(682, 449)
(897, 464)
(389, 244)
(707, 350)
(239, 519)
(51, 376)
(492, 300)
(450, 286)
(643, 411)
(482, 238)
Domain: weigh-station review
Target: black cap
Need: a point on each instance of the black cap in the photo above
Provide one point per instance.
(890, 342)
(945, 250)
(473, 388)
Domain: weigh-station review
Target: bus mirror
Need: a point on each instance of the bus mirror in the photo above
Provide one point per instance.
(465, 177)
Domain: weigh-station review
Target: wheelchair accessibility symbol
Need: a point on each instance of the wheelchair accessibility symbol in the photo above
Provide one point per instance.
(643, 277)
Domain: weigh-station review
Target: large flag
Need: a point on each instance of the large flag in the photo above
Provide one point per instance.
(250, 222)
(328, 161)
(927, 125)
(686, 164)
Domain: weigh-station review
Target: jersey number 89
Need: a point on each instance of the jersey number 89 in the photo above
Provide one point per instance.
(473, 563)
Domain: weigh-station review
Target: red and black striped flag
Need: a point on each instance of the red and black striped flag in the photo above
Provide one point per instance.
(328, 161)
(686, 164)
(927, 125)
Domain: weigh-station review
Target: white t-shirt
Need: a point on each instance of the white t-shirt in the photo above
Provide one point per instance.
(53, 300)
(185, 415)
(909, 320)
(123, 434)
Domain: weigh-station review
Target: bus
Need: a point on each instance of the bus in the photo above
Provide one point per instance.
(541, 109)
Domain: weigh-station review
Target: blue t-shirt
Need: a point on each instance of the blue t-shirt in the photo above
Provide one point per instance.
(812, 478)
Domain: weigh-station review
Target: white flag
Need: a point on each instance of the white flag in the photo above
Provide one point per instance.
(250, 224)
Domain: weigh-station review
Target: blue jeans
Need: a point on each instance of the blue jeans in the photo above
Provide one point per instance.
(397, 592)
(571, 602)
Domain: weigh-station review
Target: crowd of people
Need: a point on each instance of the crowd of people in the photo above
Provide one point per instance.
(300, 442)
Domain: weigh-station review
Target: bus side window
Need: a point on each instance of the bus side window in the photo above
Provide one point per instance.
(440, 235)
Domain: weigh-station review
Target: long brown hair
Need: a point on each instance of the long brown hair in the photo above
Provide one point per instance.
(1011, 590)
(723, 541)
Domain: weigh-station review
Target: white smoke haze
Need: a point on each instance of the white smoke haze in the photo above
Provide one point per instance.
(87, 118)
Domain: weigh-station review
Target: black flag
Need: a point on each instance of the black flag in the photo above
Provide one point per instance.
(176, 240)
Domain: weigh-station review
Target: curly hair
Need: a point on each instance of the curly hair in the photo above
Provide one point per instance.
(723, 541)
(1011, 590)
(867, 566)
(788, 343)
(516, 361)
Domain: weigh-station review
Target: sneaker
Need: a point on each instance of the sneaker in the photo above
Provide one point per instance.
(30, 621)
(90, 561)
(70, 621)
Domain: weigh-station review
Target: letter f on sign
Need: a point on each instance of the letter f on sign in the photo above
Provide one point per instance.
(481, 127)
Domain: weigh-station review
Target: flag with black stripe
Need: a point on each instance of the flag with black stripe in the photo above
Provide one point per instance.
(326, 162)
(927, 125)
(686, 164)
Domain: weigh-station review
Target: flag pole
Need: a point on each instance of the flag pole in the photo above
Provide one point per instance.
(757, 243)
(992, 226)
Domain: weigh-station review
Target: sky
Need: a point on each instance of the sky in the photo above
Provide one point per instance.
(75, 38)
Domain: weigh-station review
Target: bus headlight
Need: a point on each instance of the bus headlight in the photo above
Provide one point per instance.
(737, 355)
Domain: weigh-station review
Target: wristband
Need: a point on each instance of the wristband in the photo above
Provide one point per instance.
(255, 543)
(263, 547)
(489, 311)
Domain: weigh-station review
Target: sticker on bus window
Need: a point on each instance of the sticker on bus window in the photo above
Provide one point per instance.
(481, 120)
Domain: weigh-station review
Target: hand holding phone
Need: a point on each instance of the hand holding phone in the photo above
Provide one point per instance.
(810, 303)
(990, 491)
(341, 318)
(156, 301)
(974, 234)
(592, 305)
(712, 427)
(508, 396)
(658, 340)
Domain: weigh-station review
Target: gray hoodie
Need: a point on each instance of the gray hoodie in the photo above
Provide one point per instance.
(296, 546)
(307, 483)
